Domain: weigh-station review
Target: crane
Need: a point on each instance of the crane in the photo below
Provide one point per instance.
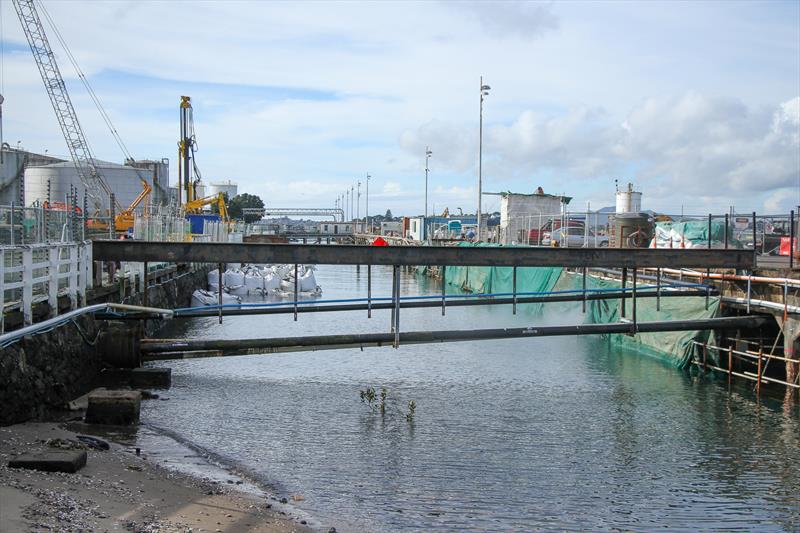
(90, 176)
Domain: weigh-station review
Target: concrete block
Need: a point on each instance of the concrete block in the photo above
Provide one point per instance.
(159, 378)
(114, 407)
(51, 461)
(115, 377)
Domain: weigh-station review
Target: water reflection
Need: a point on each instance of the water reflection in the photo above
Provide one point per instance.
(511, 435)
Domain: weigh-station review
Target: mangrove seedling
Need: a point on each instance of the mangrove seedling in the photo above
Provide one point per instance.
(412, 406)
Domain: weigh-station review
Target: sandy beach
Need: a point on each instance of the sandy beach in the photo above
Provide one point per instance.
(120, 491)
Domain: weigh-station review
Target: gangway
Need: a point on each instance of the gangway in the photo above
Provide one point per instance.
(296, 211)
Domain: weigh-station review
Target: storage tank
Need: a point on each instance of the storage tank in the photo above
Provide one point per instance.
(629, 201)
(225, 187)
(123, 180)
(632, 230)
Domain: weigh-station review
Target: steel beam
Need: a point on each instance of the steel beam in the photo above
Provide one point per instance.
(212, 252)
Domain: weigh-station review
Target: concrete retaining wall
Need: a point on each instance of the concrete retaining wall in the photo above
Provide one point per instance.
(46, 371)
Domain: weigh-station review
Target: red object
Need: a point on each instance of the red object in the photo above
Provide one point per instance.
(380, 242)
(784, 249)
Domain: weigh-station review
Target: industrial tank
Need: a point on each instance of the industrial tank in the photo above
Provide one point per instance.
(225, 187)
(123, 181)
(629, 201)
(632, 230)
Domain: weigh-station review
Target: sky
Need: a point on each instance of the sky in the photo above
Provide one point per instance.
(696, 103)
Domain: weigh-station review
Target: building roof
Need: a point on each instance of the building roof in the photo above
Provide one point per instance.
(504, 194)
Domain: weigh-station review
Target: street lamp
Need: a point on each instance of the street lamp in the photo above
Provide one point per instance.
(366, 215)
(428, 154)
(352, 197)
(484, 92)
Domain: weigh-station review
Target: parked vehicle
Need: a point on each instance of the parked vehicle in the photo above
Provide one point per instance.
(575, 237)
(537, 234)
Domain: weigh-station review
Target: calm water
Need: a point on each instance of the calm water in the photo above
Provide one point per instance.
(517, 435)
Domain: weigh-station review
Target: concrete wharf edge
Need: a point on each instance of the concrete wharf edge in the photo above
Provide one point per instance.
(207, 252)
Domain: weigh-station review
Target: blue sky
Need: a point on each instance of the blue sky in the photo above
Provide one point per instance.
(697, 103)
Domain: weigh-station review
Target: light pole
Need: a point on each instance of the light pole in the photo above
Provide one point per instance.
(428, 154)
(352, 197)
(484, 92)
(358, 202)
(366, 215)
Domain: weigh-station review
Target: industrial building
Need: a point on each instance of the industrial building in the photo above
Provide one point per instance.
(519, 212)
(13, 163)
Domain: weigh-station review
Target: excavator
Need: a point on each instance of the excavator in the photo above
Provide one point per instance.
(194, 206)
(123, 221)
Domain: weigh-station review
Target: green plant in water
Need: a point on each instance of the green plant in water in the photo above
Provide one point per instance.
(412, 406)
(368, 397)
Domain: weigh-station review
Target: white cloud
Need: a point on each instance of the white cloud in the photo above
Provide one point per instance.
(397, 76)
(782, 200)
(691, 144)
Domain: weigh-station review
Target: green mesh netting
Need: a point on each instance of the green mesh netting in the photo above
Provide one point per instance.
(674, 347)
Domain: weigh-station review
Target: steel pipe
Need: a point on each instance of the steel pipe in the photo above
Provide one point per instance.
(265, 345)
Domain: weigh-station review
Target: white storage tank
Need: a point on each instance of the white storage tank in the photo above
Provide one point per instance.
(629, 201)
(225, 187)
(123, 180)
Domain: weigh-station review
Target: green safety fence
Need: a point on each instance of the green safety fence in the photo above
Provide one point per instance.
(676, 348)
(488, 280)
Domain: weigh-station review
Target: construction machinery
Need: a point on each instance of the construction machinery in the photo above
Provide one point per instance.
(186, 149)
(187, 166)
(194, 206)
(96, 187)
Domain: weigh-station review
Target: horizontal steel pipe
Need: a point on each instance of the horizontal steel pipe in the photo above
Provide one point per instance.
(257, 346)
(213, 252)
(413, 304)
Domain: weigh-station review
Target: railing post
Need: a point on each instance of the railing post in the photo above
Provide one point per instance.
(624, 283)
(583, 303)
(705, 357)
(27, 285)
(749, 292)
(73, 276)
(755, 234)
(726, 231)
(730, 365)
(52, 279)
(369, 291)
(219, 290)
(791, 240)
(397, 309)
(444, 285)
(633, 301)
(658, 289)
(145, 300)
(758, 380)
(514, 284)
(296, 281)
(81, 266)
(2, 289)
